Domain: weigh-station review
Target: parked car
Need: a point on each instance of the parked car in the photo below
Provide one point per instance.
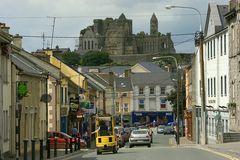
(139, 137)
(168, 130)
(61, 139)
(150, 132)
(160, 129)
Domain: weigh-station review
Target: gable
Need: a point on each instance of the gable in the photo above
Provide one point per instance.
(139, 69)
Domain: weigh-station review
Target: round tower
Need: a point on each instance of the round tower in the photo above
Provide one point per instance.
(153, 24)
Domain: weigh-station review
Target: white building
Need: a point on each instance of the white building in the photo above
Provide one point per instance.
(150, 87)
(216, 72)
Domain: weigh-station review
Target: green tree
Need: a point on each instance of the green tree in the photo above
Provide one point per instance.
(71, 58)
(95, 58)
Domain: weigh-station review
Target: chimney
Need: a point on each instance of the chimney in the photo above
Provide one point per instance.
(4, 28)
(127, 73)
(17, 41)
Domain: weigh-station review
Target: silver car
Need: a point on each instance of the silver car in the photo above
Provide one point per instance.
(139, 137)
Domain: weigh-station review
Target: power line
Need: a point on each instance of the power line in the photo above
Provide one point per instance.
(97, 16)
(71, 37)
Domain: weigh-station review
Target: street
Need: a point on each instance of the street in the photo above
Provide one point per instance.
(160, 150)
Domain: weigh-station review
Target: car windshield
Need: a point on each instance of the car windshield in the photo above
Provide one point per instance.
(161, 127)
(139, 132)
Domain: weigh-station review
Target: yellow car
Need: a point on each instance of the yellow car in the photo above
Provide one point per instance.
(105, 135)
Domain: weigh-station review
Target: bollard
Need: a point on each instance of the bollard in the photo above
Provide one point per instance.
(70, 146)
(79, 143)
(48, 148)
(55, 147)
(25, 141)
(33, 149)
(75, 144)
(41, 149)
(66, 146)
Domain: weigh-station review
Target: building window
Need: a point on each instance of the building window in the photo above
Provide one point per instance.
(225, 44)
(162, 103)
(61, 94)
(85, 45)
(66, 96)
(221, 46)
(163, 90)
(214, 48)
(4, 73)
(5, 125)
(208, 50)
(117, 106)
(221, 86)
(141, 104)
(141, 91)
(214, 85)
(225, 85)
(92, 44)
(152, 91)
(208, 87)
(125, 107)
(226, 125)
(211, 88)
(211, 49)
(88, 45)
(124, 94)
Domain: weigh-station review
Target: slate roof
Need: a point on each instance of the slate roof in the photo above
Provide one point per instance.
(123, 84)
(25, 65)
(151, 79)
(152, 67)
(223, 9)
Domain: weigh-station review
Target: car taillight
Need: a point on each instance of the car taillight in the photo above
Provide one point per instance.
(147, 136)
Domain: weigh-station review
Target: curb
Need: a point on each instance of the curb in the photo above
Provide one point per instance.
(69, 155)
(231, 157)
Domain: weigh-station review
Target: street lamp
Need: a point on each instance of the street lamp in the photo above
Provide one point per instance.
(199, 42)
(175, 60)
(186, 7)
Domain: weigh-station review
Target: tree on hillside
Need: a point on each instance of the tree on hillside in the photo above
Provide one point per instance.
(95, 58)
(71, 58)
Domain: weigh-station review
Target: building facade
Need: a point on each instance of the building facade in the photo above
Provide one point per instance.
(233, 17)
(215, 50)
(115, 36)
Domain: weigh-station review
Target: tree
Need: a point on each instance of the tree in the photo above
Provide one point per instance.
(71, 58)
(95, 58)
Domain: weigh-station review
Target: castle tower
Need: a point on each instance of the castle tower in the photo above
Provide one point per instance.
(153, 24)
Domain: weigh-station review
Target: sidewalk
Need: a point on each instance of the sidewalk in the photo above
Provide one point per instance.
(229, 150)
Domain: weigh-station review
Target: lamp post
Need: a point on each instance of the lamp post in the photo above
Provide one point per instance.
(175, 60)
(199, 42)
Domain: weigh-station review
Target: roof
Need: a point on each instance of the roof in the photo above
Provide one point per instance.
(25, 65)
(223, 9)
(123, 84)
(215, 14)
(152, 67)
(151, 79)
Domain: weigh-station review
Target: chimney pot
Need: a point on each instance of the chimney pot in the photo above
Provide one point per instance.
(17, 41)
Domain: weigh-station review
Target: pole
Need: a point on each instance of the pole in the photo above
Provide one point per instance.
(54, 19)
(46, 105)
(203, 107)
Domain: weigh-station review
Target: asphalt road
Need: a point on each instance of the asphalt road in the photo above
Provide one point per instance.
(160, 150)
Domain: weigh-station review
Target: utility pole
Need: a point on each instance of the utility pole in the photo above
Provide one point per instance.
(43, 36)
(203, 109)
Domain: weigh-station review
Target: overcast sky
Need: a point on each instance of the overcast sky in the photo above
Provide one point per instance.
(34, 17)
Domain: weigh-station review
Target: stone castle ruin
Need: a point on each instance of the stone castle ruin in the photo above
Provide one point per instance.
(115, 36)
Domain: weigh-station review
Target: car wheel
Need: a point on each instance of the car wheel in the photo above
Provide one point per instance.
(130, 145)
(149, 145)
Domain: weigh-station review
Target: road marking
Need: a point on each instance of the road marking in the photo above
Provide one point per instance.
(219, 153)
